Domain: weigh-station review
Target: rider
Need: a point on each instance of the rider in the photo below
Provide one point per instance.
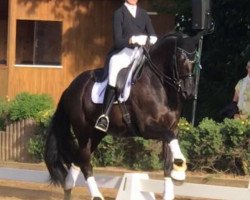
(131, 26)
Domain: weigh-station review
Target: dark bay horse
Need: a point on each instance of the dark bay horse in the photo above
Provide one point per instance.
(154, 105)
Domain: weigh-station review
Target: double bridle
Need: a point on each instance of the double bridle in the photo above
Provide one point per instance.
(187, 54)
(174, 81)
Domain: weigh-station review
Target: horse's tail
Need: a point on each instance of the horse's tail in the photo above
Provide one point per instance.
(55, 150)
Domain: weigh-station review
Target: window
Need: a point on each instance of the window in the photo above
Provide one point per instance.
(38, 42)
(4, 31)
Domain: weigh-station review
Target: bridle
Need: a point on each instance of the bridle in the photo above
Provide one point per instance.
(188, 54)
(176, 80)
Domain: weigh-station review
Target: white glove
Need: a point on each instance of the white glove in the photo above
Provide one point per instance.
(152, 39)
(140, 39)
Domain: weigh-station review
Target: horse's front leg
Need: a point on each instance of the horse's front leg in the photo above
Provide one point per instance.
(178, 172)
(168, 193)
(174, 167)
(93, 189)
(87, 169)
(179, 166)
(70, 180)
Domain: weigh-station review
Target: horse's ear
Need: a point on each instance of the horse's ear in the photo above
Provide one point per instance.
(171, 44)
(175, 42)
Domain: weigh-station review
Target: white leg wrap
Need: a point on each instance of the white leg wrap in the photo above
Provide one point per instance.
(175, 149)
(70, 180)
(168, 189)
(178, 172)
(93, 189)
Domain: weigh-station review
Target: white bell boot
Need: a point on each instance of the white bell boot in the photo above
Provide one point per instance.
(179, 162)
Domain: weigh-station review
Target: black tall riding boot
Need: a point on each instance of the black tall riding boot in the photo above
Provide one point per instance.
(102, 122)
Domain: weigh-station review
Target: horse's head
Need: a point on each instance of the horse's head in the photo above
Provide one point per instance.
(174, 56)
(186, 60)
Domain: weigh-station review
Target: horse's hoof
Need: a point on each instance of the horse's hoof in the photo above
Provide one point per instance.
(168, 198)
(178, 182)
(67, 195)
(97, 198)
(178, 172)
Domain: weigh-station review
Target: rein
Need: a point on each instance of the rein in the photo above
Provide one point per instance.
(159, 73)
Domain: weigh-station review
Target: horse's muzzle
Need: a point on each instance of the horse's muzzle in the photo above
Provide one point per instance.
(188, 88)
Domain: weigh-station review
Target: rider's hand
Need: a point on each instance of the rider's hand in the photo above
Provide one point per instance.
(152, 40)
(140, 40)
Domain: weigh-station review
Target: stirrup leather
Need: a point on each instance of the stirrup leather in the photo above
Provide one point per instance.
(100, 126)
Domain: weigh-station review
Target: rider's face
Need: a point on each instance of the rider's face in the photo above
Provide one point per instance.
(132, 2)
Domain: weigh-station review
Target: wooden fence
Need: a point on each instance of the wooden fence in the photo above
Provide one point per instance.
(14, 141)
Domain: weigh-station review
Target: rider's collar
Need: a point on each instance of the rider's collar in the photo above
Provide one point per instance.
(131, 8)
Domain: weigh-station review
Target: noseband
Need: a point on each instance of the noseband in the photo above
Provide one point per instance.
(174, 81)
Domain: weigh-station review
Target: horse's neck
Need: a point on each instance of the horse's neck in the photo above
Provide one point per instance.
(162, 87)
(158, 83)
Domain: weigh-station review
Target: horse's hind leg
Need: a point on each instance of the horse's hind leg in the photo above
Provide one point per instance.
(92, 185)
(70, 180)
(67, 195)
(86, 168)
(86, 147)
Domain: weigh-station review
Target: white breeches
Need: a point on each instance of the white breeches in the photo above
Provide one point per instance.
(122, 60)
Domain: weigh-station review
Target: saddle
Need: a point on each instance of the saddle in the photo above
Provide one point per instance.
(125, 79)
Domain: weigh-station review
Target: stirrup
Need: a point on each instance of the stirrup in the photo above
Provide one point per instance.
(100, 126)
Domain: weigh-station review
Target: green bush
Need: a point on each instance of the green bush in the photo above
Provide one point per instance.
(215, 146)
(36, 144)
(210, 144)
(108, 153)
(134, 153)
(36, 147)
(189, 139)
(4, 107)
(234, 133)
(236, 143)
(27, 105)
(202, 145)
(142, 154)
